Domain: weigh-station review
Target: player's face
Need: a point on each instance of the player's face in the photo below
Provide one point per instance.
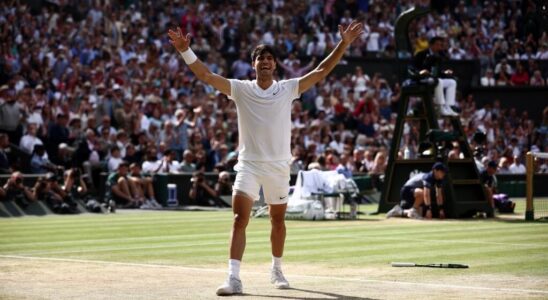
(264, 64)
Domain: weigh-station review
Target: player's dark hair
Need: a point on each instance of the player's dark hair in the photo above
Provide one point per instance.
(262, 49)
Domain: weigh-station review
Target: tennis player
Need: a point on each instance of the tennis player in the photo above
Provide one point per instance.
(264, 125)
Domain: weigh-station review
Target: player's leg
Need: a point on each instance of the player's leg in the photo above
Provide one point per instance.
(275, 190)
(277, 240)
(241, 207)
(246, 188)
(277, 234)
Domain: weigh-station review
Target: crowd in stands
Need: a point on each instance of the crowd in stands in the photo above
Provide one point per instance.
(94, 85)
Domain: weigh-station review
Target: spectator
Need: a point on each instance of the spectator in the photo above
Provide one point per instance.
(11, 114)
(115, 159)
(520, 77)
(489, 181)
(343, 166)
(142, 186)
(29, 140)
(504, 166)
(5, 166)
(503, 67)
(536, 79)
(168, 164)
(187, 165)
(152, 164)
(118, 188)
(517, 167)
(488, 79)
(40, 163)
(57, 133)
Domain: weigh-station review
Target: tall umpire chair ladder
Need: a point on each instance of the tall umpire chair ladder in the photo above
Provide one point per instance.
(464, 194)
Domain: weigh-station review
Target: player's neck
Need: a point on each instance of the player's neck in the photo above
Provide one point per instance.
(264, 82)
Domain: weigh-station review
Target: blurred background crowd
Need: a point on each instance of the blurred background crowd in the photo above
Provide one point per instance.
(89, 84)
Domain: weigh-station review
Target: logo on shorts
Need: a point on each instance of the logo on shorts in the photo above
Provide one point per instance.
(281, 198)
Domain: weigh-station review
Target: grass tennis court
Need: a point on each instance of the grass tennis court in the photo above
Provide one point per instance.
(168, 255)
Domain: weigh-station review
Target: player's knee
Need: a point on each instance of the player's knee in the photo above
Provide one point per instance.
(240, 221)
(278, 222)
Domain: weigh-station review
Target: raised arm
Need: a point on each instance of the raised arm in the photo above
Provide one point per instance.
(348, 35)
(182, 43)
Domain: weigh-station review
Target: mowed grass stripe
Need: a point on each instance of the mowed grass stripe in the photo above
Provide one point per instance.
(141, 224)
(149, 235)
(305, 241)
(296, 249)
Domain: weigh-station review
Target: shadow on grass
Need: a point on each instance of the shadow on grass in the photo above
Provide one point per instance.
(326, 296)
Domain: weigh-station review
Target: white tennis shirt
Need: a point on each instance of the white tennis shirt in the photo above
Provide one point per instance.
(264, 118)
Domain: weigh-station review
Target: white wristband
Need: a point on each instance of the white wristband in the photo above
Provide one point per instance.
(188, 56)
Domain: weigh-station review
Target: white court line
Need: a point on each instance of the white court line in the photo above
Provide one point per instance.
(430, 285)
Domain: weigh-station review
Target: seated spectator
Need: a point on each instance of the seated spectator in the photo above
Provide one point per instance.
(141, 186)
(503, 80)
(503, 67)
(536, 79)
(187, 165)
(517, 167)
(520, 77)
(29, 140)
(132, 155)
(152, 164)
(118, 188)
(343, 168)
(40, 163)
(379, 164)
(488, 79)
(15, 190)
(489, 181)
(5, 167)
(65, 155)
(168, 164)
(504, 166)
(114, 160)
(202, 194)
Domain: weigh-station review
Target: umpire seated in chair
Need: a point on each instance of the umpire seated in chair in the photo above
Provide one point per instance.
(427, 63)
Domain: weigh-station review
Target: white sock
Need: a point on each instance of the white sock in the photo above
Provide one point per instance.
(234, 268)
(276, 262)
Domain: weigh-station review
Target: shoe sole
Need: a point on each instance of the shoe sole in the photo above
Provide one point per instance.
(228, 294)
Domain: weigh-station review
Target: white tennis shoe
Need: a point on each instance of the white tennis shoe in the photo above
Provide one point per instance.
(396, 211)
(278, 279)
(413, 213)
(232, 286)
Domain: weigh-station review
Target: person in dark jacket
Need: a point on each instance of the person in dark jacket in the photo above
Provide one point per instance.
(428, 63)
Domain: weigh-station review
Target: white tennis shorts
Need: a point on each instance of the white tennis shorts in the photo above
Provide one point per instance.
(273, 176)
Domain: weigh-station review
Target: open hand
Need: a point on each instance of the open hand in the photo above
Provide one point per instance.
(178, 40)
(351, 32)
